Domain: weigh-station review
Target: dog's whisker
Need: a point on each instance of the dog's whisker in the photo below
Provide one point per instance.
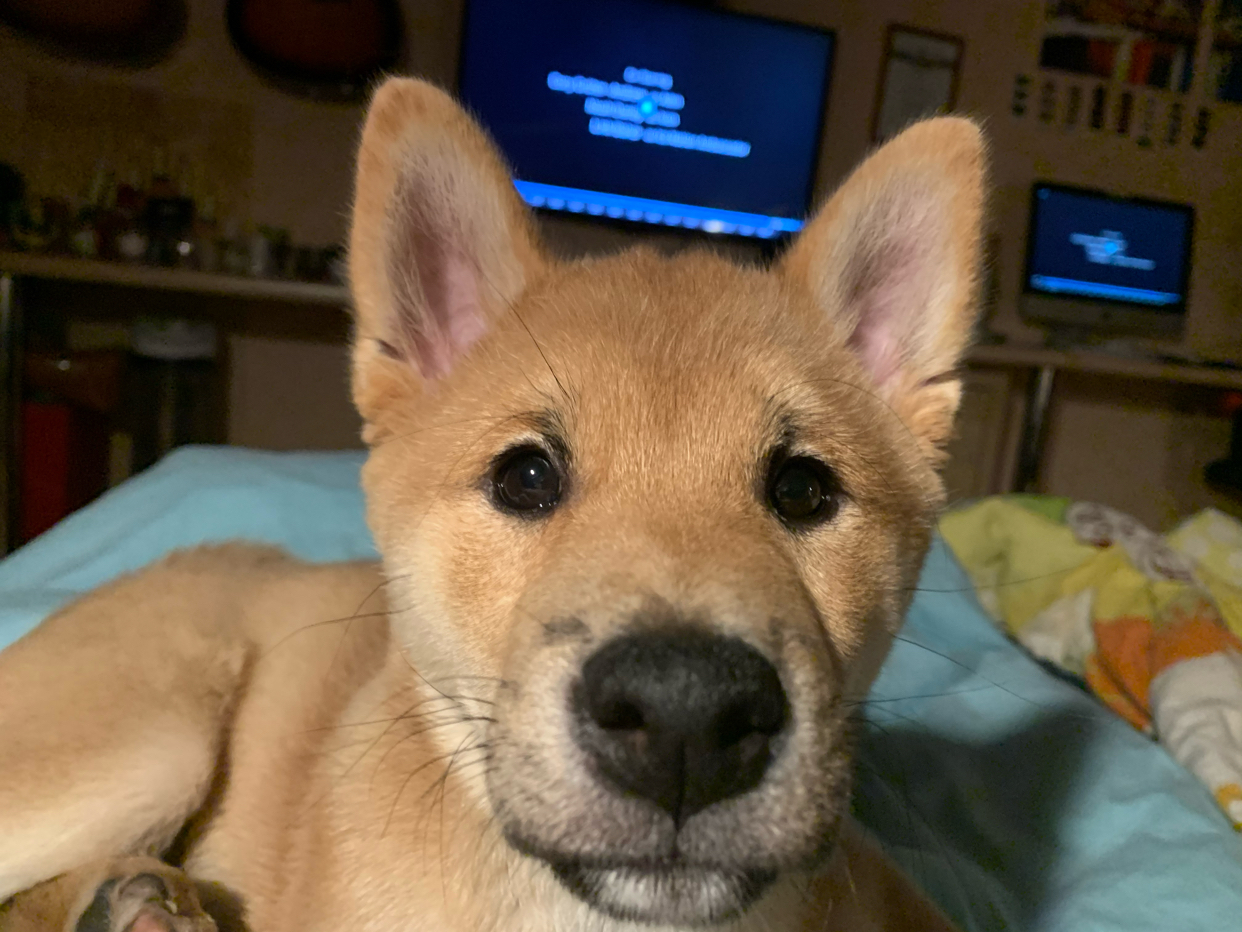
(417, 770)
(881, 700)
(343, 620)
(419, 732)
(392, 723)
(449, 426)
(912, 810)
(442, 783)
(406, 716)
(371, 743)
(413, 669)
(1007, 584)
(405, 783)
(990, 682)
(854, 386)
(512, 308)
(472, 676)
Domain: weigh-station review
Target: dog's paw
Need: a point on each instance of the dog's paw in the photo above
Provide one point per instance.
(142, 895)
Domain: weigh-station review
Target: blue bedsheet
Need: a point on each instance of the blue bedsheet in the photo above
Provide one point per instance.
(1013, 797)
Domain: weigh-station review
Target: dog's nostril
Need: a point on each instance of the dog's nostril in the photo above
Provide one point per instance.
(768, 715)
(683, 718)
(619, 716)
(742, 721)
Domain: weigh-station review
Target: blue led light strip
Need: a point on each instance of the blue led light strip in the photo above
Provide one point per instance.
(1073, 286)
(666, 213)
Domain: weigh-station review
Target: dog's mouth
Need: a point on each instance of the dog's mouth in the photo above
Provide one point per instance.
(682, 779)
(676, 893)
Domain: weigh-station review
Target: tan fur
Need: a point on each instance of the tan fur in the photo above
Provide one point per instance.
(350, 746)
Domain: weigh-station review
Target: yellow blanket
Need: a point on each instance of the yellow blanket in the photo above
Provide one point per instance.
(1151, 624)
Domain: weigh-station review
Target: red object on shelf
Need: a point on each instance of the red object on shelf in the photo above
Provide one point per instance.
(1230, 403)
(1101, 54)
(64, 463)
(1142, 53)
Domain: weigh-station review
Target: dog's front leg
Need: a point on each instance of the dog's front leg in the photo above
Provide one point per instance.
(126, 895)
(112, 715)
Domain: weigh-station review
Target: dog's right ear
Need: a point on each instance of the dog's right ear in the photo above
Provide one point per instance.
(440, 243)
(893, 259)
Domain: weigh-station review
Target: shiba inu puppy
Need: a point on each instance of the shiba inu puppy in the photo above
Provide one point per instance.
(648, 527)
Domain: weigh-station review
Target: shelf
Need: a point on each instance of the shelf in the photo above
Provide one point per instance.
(1002, 355)
(140, 276)
(1174, 31)
(91, 271)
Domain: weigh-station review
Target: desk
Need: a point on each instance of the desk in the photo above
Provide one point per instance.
(1044, 365)
(16, 267)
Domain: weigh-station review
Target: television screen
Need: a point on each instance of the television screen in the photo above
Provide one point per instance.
(649, 111)
(1087, 244)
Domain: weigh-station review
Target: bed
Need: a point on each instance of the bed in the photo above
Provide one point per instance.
(1013, 797)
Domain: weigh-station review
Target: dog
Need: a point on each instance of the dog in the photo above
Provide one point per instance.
(648, 526)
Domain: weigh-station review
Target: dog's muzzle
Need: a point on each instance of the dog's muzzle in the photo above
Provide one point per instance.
(682, 719)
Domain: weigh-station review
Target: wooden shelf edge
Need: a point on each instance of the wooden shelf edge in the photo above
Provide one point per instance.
(93, 271)
(1009, 355)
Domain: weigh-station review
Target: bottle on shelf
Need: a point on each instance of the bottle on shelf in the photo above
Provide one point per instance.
(84, 239)
(206, 236)
(169, 217)
(234, 249)
(130, 240)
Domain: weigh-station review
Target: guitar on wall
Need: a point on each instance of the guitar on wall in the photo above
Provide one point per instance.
(325, 49)
(134, 33)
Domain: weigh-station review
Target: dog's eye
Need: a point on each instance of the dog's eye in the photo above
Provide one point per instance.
(526, 480)
(802, 490)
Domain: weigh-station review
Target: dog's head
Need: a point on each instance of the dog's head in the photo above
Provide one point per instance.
(665, 513)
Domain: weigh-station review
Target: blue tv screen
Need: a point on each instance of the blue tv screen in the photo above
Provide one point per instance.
(1088, 244)
(651, 112)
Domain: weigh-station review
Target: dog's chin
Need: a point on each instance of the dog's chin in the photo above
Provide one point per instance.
(675, 894)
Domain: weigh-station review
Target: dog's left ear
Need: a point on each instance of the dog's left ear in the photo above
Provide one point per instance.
(894, 257)
(440, 244)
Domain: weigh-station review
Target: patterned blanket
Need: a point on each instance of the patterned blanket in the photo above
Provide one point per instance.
(1150, 624)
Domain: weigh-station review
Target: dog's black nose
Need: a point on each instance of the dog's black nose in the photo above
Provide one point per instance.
(683, 718)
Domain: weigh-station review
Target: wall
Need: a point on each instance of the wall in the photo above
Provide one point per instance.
(290, 159)
(300, 152)
(301, 147)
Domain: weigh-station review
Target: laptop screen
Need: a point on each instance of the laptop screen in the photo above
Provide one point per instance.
(1087, 244)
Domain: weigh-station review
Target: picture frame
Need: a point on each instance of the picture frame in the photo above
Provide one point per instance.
(919, 76)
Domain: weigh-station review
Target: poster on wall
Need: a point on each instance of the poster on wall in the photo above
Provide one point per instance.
(919, 78)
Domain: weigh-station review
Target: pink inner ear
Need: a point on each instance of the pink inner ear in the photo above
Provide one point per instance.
(877, 342)
(452, 320)
(435, 288)
(890, 294)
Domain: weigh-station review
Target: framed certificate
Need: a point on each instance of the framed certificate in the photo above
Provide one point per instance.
(918, 78)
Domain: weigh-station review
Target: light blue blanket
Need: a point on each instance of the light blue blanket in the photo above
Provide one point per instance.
(1010, 795)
